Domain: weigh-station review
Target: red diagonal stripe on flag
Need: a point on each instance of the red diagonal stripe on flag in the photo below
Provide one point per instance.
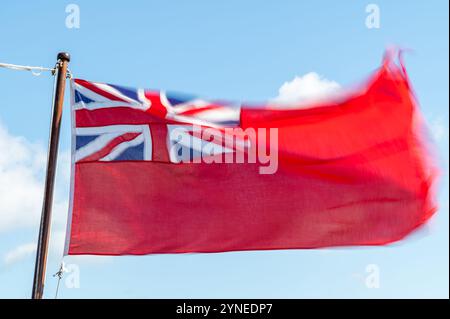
(94, 88)
(109, 147)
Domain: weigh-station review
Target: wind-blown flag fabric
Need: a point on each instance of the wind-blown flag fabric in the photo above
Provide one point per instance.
(351, 170)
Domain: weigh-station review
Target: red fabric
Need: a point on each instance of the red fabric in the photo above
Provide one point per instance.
(353, 172)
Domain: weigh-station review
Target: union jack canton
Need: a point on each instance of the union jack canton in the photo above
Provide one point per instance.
(116, 123)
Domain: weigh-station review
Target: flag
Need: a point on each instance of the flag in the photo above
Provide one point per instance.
(162, 172)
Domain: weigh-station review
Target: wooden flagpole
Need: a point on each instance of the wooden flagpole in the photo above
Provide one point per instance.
(63, 60)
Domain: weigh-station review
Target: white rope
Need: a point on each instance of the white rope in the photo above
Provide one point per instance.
(35, 70)
(69, 74)
(59, 274)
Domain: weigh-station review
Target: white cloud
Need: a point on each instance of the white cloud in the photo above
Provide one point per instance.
(24, 251)
(438, 129)
(306, 88)
(22, 171)
(19, 253)
(21, 175)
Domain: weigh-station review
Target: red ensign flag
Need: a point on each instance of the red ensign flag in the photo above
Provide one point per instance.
(158, 172)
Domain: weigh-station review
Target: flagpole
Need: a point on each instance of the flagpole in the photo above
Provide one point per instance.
(63, 60)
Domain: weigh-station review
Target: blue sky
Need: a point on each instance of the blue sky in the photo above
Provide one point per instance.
(240, 50)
